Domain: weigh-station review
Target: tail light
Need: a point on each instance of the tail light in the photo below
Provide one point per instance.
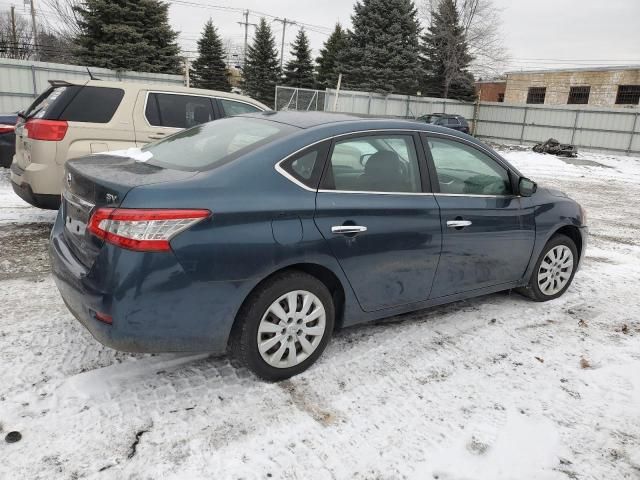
(4, 128)
(143, 230)
(48, 130)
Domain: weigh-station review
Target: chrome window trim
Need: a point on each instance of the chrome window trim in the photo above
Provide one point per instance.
(149, 92)
(292, 179)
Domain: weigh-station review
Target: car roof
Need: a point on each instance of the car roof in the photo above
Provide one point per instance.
(163, 87)
(340, 123)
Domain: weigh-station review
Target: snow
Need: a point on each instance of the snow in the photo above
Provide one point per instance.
(495, 388)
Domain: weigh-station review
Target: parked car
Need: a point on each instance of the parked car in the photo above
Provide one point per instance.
(455, 122)
(71, 120)
(264, 232)
(7, 138)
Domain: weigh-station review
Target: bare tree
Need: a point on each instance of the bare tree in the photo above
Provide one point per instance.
(482, 22)
(15, 37)
(65, 22)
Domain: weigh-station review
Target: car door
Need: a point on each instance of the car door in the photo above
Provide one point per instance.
(488, 236)
(160, 114)
(376, 211)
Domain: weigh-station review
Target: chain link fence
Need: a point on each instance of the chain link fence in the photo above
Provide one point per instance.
(289, 98)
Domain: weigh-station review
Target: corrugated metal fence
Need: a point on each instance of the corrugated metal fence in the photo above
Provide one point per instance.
(592, 128)
(21, 81)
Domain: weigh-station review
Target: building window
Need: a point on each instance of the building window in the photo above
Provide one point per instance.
(579, 95)
(628, 95)
(501, 97)
(536, 94)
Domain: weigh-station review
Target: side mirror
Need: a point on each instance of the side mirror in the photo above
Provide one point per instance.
(527, 187)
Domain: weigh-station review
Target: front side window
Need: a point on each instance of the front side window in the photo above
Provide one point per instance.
(213, 144)
(232, 107)
(376, 163)
(464, 170)
(178, 111)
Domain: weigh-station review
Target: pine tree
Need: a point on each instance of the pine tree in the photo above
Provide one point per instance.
(209, 70)
(262, 69)
(298, 71)
(328, 59)
(446, 56)
(127, 35)
(383, 48)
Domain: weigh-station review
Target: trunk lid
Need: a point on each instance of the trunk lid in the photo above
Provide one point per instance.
(102, 181)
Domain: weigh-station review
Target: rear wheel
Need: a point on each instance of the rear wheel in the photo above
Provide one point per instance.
(554, 270)
(284, 326)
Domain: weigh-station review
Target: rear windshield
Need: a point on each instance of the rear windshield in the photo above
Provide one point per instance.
(75, 103)
(213, 144)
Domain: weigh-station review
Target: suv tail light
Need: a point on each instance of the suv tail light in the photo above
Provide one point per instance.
(143, 230)
(4, 128)
(48, 130)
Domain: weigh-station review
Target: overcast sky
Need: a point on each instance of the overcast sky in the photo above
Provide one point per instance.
(537, 34)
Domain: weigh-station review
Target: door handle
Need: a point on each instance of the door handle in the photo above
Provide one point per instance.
(157, 136)
(348, 229)
(458, 223)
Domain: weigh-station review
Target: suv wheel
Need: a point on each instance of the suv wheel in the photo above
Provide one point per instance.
(284, 326)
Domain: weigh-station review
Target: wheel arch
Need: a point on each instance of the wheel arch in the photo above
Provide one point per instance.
(320, 272)
(573, 233)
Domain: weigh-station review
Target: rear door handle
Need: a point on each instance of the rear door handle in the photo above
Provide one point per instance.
(157, 136)
(458, 223)
(348, 229)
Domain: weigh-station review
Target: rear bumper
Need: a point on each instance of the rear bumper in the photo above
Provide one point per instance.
(23, 181)
(155, 305)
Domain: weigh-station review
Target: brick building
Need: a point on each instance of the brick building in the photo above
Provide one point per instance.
(491, 90)
(602, 86)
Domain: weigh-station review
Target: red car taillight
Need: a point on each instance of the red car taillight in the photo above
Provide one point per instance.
(4, 128)
(48, 130)
(143, 230)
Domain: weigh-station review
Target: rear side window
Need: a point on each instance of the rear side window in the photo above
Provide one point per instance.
(232, 107)
(306, 167)
(93, 105)
(214, 144)
(178, 111)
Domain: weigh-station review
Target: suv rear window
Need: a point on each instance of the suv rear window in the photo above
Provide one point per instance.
(75, 103)
(213, 144)
(93, 105)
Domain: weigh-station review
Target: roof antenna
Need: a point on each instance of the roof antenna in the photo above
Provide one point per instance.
(91, 75)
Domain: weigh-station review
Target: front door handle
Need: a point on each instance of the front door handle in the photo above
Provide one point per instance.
(458, 223)
(157, 136)
(348, 229)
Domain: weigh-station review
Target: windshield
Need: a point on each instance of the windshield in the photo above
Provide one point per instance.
(215, 143)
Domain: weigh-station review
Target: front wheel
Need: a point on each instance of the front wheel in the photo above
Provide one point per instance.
(284, 326)
(554, 270)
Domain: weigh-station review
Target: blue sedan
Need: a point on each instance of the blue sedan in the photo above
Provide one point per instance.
(261, 234)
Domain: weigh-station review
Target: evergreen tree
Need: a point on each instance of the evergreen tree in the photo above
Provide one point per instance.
(328, 59)
(383, 48)
(209, 70)
(298, 71)
(446, 56)
(127, 35)
(262, 69)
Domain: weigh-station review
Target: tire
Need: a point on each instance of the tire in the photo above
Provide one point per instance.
(541, 287)
(305, 333)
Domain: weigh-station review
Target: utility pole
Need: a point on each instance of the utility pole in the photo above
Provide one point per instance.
(14, 35)
(187, 73)
(284, 23)
(33, 27)
(246, 25)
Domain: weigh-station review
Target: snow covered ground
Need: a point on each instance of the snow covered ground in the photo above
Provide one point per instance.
(494, 388)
